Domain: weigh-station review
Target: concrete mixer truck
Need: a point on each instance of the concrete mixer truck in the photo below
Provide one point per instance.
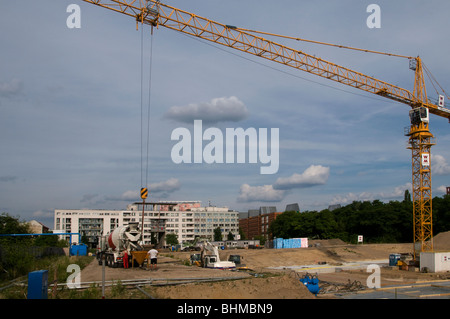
(114, 244)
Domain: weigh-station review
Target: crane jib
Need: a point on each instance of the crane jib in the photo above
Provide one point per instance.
(155, 13)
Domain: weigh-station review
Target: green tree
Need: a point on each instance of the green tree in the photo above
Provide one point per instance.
(285, 225)
(12, 225)
(172, 239)
(241, 232)
(441, 214)
(47, 240)
(217, 234)
(378, 222)
(16, 259)
(407, 197)
(326, 226)
(262, 240)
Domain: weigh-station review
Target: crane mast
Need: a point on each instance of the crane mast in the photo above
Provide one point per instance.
(420, 141)
(155, 14)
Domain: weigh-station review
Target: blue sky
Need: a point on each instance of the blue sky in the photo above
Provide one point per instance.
(70, 110)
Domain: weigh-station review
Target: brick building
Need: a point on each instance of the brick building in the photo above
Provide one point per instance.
(256, 222)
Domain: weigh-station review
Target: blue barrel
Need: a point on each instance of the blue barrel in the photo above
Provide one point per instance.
(312, 283)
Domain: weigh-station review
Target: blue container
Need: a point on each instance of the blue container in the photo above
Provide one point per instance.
(393, 259)
(78, 250)
(38, 284)
(278, 243)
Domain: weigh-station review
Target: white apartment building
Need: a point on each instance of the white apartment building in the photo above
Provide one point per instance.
(186, 219)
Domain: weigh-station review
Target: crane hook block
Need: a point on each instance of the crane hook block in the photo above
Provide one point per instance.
(144, 193)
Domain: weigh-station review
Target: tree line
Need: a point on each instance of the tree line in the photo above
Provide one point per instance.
(378, 222)
(20, 255)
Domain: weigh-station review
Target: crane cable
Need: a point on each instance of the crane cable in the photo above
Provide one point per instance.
(433, 80)
(427, 71)
(144, 185)
(323, 43)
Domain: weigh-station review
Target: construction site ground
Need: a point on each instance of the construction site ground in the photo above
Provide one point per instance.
(275, 273)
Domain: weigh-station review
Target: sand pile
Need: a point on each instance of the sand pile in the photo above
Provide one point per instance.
(441, 242)
(279, 287)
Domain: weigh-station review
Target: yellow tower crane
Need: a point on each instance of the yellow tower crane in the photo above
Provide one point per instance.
(155, 14)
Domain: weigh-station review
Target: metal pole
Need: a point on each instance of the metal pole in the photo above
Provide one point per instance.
(103, 275)
(142, 229)
(145, 293)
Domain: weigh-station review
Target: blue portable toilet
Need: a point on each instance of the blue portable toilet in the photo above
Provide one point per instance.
(38, 284)
(393, 259)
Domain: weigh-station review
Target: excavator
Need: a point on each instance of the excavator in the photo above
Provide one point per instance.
(209, 258)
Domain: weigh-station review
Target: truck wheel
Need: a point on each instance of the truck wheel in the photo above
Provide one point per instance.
(109, 260)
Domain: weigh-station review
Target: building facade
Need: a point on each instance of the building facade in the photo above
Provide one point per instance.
(37, 227)
(186, 219)
(256, 223)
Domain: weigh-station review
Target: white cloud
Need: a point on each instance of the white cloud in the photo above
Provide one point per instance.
(439, 165)
(351, 197)
(88, 198)
(313, 175)
(43, 214)
(163, 188)
(397, 193)
(217, 110)
(442, 189)
(171, 185)
(11, 88)
(130, 195)
(264, 193)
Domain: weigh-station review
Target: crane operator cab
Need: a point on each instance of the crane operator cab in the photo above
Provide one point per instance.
(419, 115)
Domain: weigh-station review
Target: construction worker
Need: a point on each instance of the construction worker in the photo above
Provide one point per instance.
(153, 253)
(125, 259)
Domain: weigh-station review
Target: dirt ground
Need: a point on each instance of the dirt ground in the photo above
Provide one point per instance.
(264, 281)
